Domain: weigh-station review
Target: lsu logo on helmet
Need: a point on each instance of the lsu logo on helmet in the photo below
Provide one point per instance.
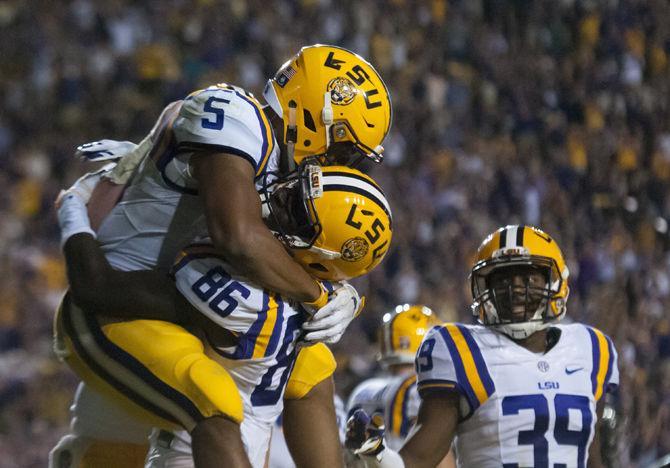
(342, 106)
(354, 249)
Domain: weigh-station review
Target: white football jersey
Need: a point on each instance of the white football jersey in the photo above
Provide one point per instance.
(395, 397)
(266, 326)
(160, 212)
(519, 408)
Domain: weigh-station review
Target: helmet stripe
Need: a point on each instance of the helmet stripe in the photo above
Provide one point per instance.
(511, 236)
(327, 172)
(519, 235)
(362, 187)
(502, 238)
(349, 188)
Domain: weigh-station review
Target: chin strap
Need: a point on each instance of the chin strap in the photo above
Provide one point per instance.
(291, 136)
(519, 331)
(327, 116)
(377, 154)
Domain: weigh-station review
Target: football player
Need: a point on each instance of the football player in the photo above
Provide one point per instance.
(517, 390)
(164, 368)
(394, 396)
(198, 172)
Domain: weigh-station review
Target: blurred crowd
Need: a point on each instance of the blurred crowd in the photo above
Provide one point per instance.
(551, 113)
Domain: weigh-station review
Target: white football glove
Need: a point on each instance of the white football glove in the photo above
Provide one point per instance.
(83, 187)
(328, 324)
(71, 204)
(104, 150)
(72, 217)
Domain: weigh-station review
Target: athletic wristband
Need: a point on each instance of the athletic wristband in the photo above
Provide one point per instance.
(73, 218)
(320, 301)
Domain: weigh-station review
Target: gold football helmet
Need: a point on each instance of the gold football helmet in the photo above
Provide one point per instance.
(338, 103)
(519, 282)
(335, 220)
(402, 331)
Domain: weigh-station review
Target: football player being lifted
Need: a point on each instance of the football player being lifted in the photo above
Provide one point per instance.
(226, 354)
(198, 173)
(517, 390)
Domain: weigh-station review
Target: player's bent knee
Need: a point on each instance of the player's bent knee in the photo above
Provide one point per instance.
(174, 359)
(313, 365)
(216, 389)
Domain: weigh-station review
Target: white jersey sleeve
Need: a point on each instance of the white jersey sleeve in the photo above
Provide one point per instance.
(225, 119)
(160, 212)
(449, 359)
(434, 364)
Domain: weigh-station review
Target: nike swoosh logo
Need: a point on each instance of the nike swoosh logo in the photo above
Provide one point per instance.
(368, 123)
(572, 371)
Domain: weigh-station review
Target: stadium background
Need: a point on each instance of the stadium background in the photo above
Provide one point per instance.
(550, 113)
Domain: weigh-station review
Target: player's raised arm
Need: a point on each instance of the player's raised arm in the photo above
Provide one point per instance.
(95, 285)
(233, 212)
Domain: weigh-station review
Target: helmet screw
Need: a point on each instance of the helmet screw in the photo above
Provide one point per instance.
(340, 133)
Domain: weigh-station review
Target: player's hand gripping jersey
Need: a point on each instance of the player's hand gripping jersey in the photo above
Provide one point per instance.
(159, 213)
(518, 408)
